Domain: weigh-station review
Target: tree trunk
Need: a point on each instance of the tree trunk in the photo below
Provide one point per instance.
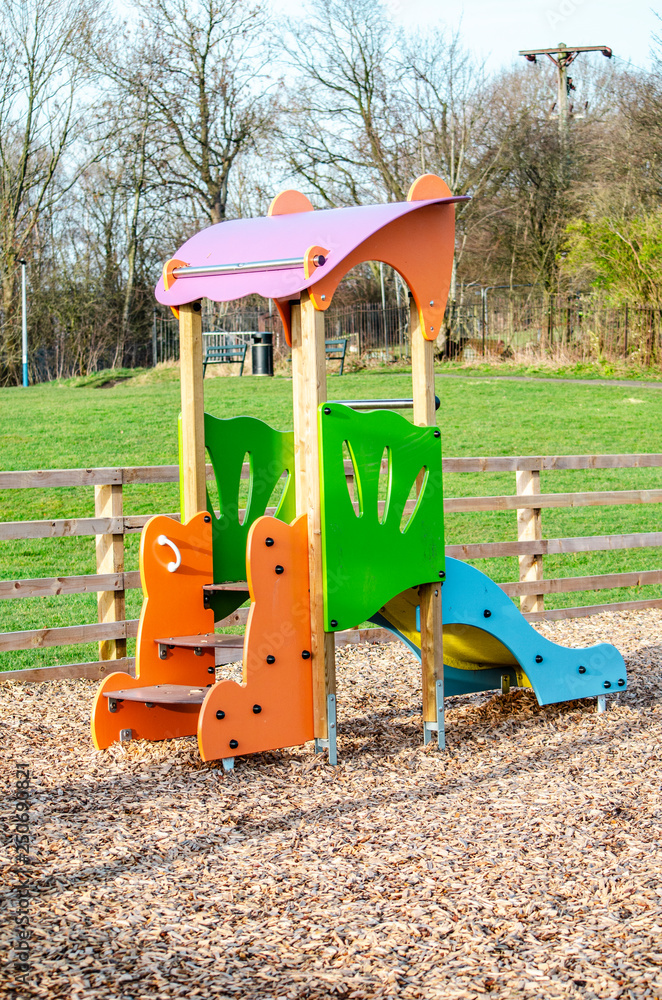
(9, 367)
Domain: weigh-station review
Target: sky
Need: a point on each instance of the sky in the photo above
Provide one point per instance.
(497, 29)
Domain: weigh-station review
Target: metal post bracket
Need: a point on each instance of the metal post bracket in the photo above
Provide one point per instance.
(329, 744)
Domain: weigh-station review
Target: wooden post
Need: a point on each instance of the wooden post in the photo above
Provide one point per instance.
(432, 661)
(529, 528)
(110, 559)
(193, 424)
(309, 390)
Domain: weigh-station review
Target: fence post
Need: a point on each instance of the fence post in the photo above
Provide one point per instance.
(529, 528)
(625, 338)
(108, 502)
(155, 350)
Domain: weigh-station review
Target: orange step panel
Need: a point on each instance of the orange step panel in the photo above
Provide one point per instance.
(173, 605)
(273, 706)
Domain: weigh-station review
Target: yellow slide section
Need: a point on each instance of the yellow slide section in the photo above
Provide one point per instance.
(465, 646)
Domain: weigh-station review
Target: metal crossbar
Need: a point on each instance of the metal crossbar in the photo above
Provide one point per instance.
(383, 404)
(286, 263)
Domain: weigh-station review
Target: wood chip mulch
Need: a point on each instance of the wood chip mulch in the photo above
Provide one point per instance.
(523, 862)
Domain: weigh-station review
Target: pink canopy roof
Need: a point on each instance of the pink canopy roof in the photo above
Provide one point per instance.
(337, 230)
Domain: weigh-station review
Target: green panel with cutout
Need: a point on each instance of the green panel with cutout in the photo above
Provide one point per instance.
(368, 557)
(269, 453)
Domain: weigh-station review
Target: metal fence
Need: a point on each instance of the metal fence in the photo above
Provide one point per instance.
(582, 327)
(484, 323)
(372, 332)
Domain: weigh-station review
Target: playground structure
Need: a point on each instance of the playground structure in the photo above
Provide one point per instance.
(327, 560)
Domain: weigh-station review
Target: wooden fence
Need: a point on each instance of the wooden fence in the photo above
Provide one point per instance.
(109, 526)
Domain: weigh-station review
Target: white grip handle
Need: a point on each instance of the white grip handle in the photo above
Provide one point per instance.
(172, 566)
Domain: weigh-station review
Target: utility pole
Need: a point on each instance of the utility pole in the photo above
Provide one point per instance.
(562, 56)
(24, 323)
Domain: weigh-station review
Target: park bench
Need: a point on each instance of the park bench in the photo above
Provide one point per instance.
(335, 351)
(225, 354)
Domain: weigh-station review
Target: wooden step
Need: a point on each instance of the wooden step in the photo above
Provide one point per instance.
(228, 648)
(161, 694)
(238, 585)
(204, 640)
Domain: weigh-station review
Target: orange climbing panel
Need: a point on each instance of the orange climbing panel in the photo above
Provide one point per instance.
(175, 565)
(273, 707)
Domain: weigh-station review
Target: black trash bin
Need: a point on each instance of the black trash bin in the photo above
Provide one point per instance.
(262, 354)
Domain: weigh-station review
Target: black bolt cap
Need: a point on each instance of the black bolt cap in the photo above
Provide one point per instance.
(280, 569)
(437, 433)
(487, 613)
(220, 714)
(305, 655)
(334, 623)
(211, 670)
(269, 542)
(538, 658)
(257, 709)
(327, 410)
(233, 744)
(621, 682)
(442, 575)
(582, 670)
(271, 658)
(607, 684)
(207, 519)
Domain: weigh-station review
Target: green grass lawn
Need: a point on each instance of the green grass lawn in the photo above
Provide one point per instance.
(133, 422)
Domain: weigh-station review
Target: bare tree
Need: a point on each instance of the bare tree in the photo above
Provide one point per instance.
(40, 119)
(345, 134)
(452, 120)
(452, 108)
(203, 65)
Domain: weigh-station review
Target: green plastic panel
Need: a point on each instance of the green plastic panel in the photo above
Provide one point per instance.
(368, 557)
(270, 453)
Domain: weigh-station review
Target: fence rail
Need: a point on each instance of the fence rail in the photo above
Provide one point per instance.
(110, 582)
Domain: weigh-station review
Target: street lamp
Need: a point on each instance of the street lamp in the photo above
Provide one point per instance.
(24, 321)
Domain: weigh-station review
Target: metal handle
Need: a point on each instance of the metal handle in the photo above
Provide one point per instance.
(287, 263)
(382, 404)
(172, 566)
